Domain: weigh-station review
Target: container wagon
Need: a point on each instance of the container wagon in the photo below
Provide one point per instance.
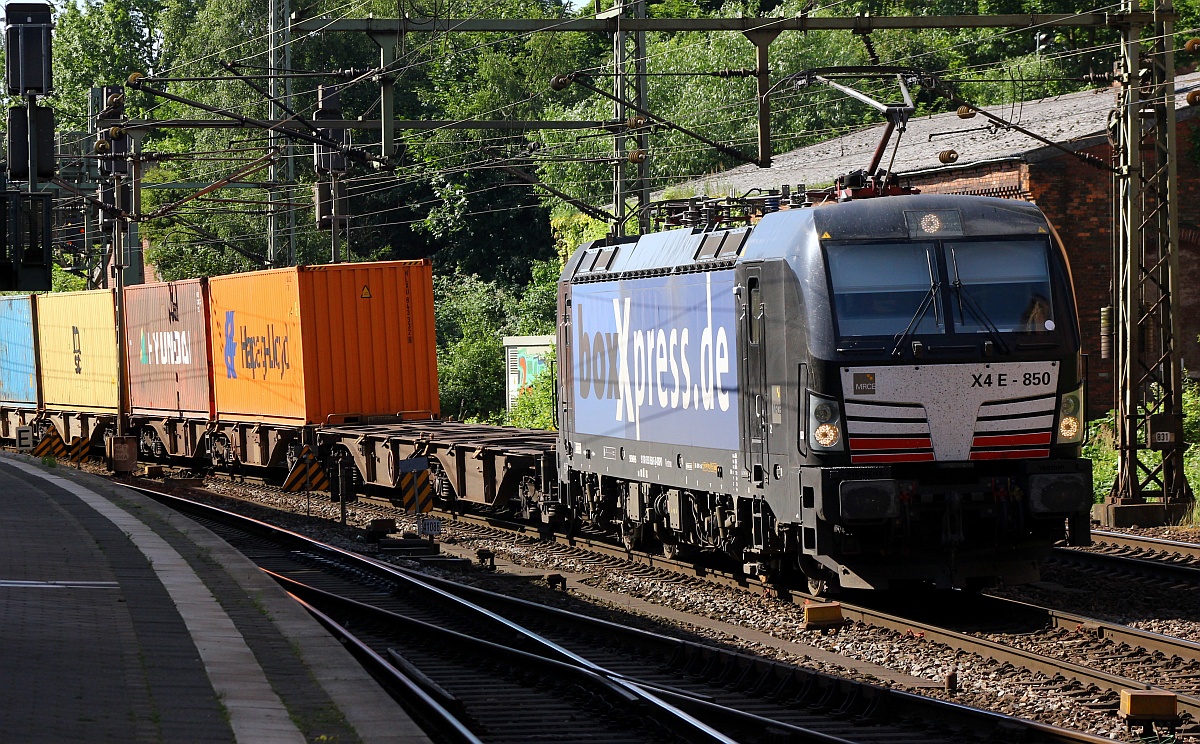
(19, 388)
(77, 358)
(168, 366)
(297, 348)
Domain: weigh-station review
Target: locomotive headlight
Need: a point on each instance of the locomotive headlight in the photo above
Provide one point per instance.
(825, 423)
(827, 435)
(1070, 428)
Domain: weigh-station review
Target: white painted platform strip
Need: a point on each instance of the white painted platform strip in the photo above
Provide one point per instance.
(14, 584)
(256, 713)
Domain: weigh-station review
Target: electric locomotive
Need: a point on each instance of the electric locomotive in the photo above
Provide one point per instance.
(873, 392)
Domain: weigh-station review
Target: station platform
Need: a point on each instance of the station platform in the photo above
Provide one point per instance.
(123, 621)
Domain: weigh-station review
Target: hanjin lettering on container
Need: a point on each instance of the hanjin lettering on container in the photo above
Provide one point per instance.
(864, 383)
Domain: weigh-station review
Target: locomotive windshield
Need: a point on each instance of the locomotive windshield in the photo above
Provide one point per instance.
(990, 286)
(1007, 280)
(879, 289)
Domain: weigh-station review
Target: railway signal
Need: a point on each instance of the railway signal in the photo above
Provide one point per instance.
(25, 253)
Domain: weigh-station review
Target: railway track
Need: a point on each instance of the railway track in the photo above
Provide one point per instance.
(1080, 652)
(1071, 654)
(498, 668)
(1169, 560)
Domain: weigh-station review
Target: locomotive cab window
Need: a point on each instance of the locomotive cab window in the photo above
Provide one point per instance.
(881, 289)
(1002, 282)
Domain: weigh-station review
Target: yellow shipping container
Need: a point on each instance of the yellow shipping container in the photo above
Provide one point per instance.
(324, 344)
(77, 346)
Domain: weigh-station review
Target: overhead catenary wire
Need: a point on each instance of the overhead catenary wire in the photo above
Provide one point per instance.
(398, 180)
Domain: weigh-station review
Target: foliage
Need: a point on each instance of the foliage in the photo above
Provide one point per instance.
(470, 320)
(472, 317)
(446, 197)
(100, 43)
(1101, 450)
(62, 281)
(534, 407)
(572, 229)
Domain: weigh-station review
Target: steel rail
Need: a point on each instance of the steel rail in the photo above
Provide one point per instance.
(1144, 564)
(416, 700)
(630, 692)
(1191, 549)
(1167, 645)
(958, 641)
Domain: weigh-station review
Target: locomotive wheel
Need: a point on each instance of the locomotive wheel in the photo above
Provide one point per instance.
(821, 581)
(670, 551)
(825, 585)
(818, 587)
(630, 535)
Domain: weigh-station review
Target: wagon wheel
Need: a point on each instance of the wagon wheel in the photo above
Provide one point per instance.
(631, 535)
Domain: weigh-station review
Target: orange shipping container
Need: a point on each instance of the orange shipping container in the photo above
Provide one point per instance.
(324, 344)
(77, 345)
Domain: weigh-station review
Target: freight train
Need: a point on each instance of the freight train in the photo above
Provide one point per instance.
(871, 393)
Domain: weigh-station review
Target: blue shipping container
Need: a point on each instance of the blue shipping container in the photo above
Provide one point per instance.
(655, 359)
(18, 365)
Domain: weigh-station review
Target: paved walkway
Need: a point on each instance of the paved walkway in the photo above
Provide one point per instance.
(123, 621)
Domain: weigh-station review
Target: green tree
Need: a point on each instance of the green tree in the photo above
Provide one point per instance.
(100, 43)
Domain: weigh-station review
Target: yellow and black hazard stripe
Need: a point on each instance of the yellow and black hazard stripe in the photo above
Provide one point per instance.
(80, 448)
(307, 475)
(416, 491)
(51, 445)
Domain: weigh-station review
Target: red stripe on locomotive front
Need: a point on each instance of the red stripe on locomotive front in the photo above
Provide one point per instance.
(1011, 440)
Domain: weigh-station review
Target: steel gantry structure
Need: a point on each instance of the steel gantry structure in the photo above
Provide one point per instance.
(1150, 486)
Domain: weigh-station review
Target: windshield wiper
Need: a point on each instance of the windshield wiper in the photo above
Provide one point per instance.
(979, 315)
(923, 308)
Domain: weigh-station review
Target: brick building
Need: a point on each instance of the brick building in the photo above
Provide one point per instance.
(993, 161)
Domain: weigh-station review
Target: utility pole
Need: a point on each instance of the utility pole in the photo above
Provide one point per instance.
(1148, 364)
(642, 134)
(619, 113)
(281, 228)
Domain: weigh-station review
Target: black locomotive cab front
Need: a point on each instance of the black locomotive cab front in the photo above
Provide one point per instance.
(943, 419)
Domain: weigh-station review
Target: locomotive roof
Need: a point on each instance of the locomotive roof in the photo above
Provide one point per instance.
(793, 231)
